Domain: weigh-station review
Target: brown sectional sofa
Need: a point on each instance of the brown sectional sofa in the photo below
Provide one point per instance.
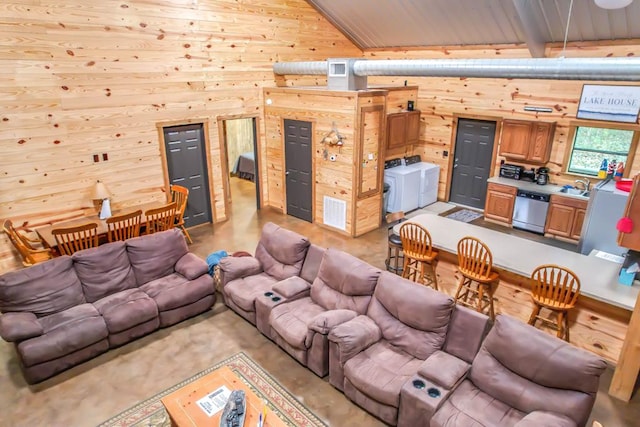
(62, 312)
(404, 352)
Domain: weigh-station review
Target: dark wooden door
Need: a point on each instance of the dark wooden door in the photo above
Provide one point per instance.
(472, 162)
(186, 162)
(297, 141)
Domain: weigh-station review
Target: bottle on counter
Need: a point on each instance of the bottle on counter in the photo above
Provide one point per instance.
(611, 169)
(619, 171)
(602, 172)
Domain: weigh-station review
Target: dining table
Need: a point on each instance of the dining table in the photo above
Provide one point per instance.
(46, 235)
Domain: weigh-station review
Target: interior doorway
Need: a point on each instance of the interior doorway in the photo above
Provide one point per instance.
(472, 161)
(241, 152)
(186, 162)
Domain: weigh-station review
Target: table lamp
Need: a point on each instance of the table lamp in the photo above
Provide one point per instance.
(100, 192)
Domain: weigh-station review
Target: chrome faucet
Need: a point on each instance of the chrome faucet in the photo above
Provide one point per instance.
(585, 182)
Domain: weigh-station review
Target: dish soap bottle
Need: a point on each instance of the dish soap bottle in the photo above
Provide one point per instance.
(602, 172)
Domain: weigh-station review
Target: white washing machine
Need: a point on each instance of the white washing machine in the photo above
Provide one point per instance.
(429, 177)
(404, 188)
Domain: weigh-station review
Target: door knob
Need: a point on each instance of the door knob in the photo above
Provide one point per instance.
(455, 165)
(286, 173)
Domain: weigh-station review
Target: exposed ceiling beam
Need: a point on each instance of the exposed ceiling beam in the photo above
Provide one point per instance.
(534, 37)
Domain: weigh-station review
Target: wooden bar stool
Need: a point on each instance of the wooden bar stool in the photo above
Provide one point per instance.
(394, 252)
(420, 259)
(557, 289)
(478, 281)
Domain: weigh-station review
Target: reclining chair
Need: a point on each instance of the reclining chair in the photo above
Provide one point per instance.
(524, 377)
(279, 255)
(341, 291)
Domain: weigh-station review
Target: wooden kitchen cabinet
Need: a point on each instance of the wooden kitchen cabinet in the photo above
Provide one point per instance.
(527, 141)
(500, 202)
(403, 128)
(565, 217)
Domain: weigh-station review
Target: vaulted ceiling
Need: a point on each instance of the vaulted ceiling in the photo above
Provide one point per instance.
(383, 24)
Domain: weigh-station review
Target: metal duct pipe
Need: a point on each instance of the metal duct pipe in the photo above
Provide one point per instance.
(618, 69)
(301, 68)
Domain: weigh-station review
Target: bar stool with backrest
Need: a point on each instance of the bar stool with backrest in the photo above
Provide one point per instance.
(478, 281)
(420, 259)
(395, 257)
(160, 219)
(179, 195)
(557, 289)
(123, 227)
(31, 251)
(73, 239)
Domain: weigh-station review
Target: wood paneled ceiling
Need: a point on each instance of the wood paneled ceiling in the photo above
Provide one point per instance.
(384, 24)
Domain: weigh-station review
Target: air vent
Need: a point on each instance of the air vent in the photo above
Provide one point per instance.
(340, 75)
(335, 213)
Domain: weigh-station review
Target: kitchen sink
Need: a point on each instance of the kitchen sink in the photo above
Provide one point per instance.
(575, 192)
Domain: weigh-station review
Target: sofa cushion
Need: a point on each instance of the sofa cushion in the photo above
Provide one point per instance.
(380, 371)
(312, 262)
(468, 406)
(43, 289)
(344, 281)
(64, 332)
(399, 308)
(126, 309)
(281, 251)
(104, 270)
(291, 321)
(243, 292)
(154, 256)
(175, 290)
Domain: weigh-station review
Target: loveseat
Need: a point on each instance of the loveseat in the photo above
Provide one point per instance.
(67, 310)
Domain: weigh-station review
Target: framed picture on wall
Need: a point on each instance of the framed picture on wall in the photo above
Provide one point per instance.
(610, 103)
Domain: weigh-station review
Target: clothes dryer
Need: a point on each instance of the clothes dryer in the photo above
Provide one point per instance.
(429, 177)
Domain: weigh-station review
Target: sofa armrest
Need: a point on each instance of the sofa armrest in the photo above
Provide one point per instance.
(444, 369)
(324, 322)
(354, 336)
(292, 288)
(545, 418)
(232, 268)
(191, 266)
(20, 326)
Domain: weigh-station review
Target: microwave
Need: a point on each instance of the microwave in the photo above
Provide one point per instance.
(511, 171)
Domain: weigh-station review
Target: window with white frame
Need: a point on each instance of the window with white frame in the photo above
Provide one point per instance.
(592, 144)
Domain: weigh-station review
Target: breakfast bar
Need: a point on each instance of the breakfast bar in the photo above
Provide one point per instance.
(598, 276)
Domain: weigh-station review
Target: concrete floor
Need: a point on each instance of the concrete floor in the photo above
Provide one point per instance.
(101, 388)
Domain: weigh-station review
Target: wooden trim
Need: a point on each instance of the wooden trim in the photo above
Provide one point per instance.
(359, 152)
(626, 373)
(207, 148)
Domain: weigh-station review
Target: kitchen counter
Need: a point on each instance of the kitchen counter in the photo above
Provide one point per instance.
(598, 277)
(532, 186)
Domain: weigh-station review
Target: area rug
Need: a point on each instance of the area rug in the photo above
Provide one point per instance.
(151, 412)
(464, 215)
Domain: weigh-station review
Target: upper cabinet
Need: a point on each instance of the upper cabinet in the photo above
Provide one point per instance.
(527, 141)
(403, 128)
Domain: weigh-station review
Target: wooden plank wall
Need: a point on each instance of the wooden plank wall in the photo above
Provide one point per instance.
(442, 99)
(85, 77)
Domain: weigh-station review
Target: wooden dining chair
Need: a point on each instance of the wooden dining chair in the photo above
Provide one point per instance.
(32, 251)
(123, 227)
(73, 239)
(478, 281)
(160, 219)
(420, 259)
(179, 195)
(557, 289)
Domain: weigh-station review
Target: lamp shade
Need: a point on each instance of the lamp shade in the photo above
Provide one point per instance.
(100, 191)
(613, 4)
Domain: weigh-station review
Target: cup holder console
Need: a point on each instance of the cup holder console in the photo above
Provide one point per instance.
(268, 294)
(433, 392)
(419, 384)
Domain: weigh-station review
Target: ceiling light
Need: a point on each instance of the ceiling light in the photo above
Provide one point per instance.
(613, 4)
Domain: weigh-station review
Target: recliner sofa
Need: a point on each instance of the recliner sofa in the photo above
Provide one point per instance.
(67, 310)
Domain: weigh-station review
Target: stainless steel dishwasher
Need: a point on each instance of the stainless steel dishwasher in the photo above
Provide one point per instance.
(530, 211)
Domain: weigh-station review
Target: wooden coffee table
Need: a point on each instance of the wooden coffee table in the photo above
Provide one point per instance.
(185, 410)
